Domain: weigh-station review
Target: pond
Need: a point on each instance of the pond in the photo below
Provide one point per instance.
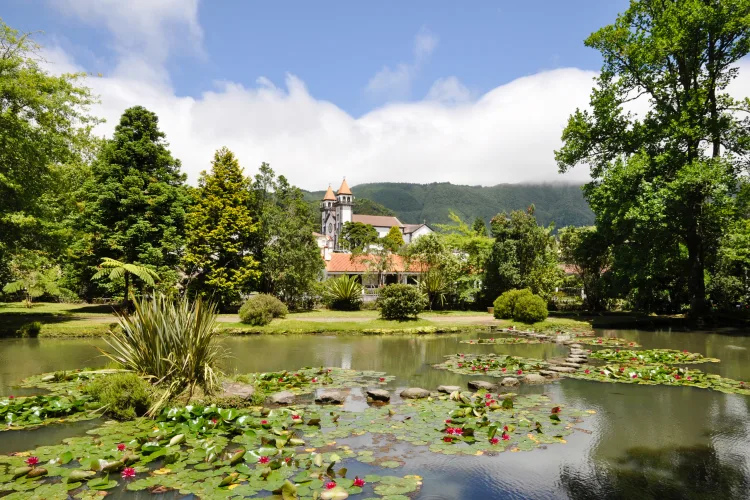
(642, 442)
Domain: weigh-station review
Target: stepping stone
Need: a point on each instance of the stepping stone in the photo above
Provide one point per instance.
(562, 369)
(331, 397)
(236, 390)
(578, 352)
(415, 393)
(510, 382)
(549, 374)
(577, 361)
(575, 346)
(282, 398)
(481, 384)
(379, 395)
(533, 378)
(447, 389)
(570, 365)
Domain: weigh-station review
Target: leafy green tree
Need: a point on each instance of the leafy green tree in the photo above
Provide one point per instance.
(393, 240)
(479, 227)
(584, 250)
(668, 173)
(219, 230)
(729, 284)
(135, 201)
(34, 275)
(44, 122)
(363, 206)
(288, 254)
(524, 255)
(356, 236)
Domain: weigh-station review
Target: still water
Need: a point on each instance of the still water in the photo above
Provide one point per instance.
(643, 442)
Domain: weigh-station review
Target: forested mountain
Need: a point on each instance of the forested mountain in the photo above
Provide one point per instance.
(562, 204)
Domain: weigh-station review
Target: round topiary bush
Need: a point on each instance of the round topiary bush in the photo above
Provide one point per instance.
(530, 309)
(401, 302)
(505, 304)
(260, 309)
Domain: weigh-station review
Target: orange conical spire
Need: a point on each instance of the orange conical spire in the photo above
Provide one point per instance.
(344, 189)
(329, 195)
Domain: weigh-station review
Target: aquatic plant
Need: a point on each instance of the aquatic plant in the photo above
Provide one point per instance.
(173, 341)
(122, 395)
(652, 356)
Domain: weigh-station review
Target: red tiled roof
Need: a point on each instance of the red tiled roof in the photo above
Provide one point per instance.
(377, 220)
(347, 263)
(344, 189)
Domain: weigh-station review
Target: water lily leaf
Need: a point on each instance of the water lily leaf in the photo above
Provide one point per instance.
(337, 493)
(289, 491)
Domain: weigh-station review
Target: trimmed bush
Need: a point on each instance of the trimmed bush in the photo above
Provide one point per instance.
(343, 294)
(260, 309)
(530, 309)
(30, 329)
(505, 304)
(123, 395)
(401, 302)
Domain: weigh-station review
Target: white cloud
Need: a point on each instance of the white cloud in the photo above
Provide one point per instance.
(395, 83)
(450, 91)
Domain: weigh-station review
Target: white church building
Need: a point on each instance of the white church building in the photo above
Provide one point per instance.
(338, 209)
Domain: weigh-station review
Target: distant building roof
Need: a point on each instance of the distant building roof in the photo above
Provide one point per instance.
(377, 220)
(347, 263)
(329, 195)
(410, 228)
(344, 189)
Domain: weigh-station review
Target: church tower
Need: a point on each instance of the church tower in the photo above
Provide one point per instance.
(344, 208)
(328, 215)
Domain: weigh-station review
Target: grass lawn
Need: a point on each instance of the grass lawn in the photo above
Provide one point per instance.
(83, 320)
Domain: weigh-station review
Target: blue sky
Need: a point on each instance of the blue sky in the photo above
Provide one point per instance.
(337, 47)
(416, 91)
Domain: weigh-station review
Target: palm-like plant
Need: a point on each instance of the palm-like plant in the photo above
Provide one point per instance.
(36, 282)
(433, 285)
(115, 269)
(343, 293)
(171, 341)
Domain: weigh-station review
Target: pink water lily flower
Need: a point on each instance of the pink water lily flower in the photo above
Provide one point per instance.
(263, 460)
(128, 472)
(494, 440)
(330, 485)
(121, 447)
(506, 437)
(314, 379)
(358, 482)
(296, 417)
(32, 461)
(487, 396)
(263, 422)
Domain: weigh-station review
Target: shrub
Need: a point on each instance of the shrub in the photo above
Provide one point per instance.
(172, 341)
(124, 396)
(530, 309)
(401, 302)
(260, 309)
(343, 294)
(506, 303)
(30, 329)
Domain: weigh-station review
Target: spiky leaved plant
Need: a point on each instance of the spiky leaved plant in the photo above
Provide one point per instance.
(343, 293)
(172, 341)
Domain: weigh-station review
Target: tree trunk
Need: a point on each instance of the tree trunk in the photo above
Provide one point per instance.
(696, 281)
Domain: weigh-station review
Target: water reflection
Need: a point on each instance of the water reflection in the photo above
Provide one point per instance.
(642, 442)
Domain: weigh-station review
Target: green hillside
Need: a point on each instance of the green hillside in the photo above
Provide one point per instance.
(562, 204)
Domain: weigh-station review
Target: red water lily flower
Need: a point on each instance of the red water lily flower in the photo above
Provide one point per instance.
(505, 428)
(487, 403)
(460, 365)
(492, 339)
(677, 377)
(586, 371)
(450, 430)
(486, 368)
(506, 437)
(447, 439)
(121, 447)
(32, 461)
(494, 440)
(631, 344)
(556, 409)
(314, 379)
(599, 341)
(288, 460)
(281, 379)
(504, 370)
(128, 472)
(329, 370)
(296, 417)
(685, 352)
(487, 396)
(263, 422)
(382, 379)
(296, 374)
(617, 350)
(330, 485)
(473, 368)
(602, 372)
(447, 421)
(358, 482)
(622, 369)
(633, 375)
(11, 397)
(462, 355)
(458, 431)
(519, 372)
(689, 377)
(214, 421)
(263, 460)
